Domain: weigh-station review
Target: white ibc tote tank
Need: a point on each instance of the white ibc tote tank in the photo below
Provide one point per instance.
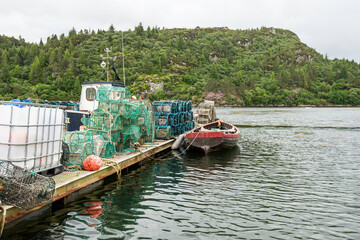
(31, 135)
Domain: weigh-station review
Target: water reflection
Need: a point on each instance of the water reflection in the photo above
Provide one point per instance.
(222, 158)
(294, 174)
(93, 209)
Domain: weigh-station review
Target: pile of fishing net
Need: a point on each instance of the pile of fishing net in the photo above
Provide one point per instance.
(23, 188)
(117, 125)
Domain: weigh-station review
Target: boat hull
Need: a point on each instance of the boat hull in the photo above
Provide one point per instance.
(209, 141)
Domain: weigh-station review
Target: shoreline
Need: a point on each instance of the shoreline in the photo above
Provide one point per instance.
(284, 106)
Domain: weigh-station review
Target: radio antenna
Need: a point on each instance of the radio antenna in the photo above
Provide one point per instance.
(122, 46)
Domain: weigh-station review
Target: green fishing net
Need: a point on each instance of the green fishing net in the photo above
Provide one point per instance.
(114, 128)
(78, 152)
(104, 121)
(110, 94)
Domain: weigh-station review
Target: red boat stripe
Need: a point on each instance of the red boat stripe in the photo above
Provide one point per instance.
(210, 134)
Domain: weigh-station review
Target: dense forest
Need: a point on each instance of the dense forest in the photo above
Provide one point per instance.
(266, 66)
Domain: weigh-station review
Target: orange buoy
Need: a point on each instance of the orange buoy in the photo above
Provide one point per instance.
(92, 163)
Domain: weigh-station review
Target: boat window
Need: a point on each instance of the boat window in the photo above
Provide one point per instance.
(90, 94)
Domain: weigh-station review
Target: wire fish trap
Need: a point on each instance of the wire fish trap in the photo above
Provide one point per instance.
(143, 120)
(186, 116)
(191, 124)
(188, 106)
(79, 152)
(186, 126)
(181, 117)
(24, 189)
(175, 119)
(175, 114)
(133, 132)
(163, 132)
(207, 112)
(108, 150)
(80, 145)
(191, 115)
(110, 94)
(182, 128)
(84, 143)
(117, 125)
(136, 109)
(130, 110)
(112, 136)
(114, 108)
(150, 135)
(166, 106)
(104, 121)
(130, 136)
(164, 119)
(183, 106)
(78, 136)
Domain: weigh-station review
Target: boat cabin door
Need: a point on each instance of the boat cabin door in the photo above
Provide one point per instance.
(88, 97)
(88, 94)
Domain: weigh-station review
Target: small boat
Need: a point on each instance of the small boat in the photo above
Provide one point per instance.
(213, 136)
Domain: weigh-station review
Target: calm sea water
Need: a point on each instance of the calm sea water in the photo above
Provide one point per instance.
(294, 174)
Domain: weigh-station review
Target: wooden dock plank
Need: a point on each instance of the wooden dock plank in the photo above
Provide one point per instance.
(70, 182)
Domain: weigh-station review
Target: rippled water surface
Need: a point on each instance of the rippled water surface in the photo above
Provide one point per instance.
(294, 174)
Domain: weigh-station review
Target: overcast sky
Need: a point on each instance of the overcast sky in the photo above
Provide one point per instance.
(332, 27)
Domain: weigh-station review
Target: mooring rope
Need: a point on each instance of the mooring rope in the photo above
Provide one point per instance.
(114, 164)
(191, 142)
(73, 168)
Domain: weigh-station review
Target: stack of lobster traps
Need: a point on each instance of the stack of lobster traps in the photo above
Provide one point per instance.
(114, 128)
(172, 118)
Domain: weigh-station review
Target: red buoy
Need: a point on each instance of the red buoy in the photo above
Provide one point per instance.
(92, 163)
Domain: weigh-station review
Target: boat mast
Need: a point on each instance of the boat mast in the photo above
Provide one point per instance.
(103, 64)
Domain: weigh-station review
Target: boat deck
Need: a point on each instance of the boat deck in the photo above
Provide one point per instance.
(69, 182)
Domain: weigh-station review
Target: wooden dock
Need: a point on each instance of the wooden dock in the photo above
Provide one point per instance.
(70, 182)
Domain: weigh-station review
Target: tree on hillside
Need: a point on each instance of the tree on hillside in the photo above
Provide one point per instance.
(139, 30)
(111, 28)
(252, 67)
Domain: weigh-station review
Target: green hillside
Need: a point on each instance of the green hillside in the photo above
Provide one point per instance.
(267, 66)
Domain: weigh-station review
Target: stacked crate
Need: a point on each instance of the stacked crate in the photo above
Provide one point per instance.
(206, 112)
(172, 118)
(68, 104)
(117, 125)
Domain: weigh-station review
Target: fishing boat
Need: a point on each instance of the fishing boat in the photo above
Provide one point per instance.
(213, 136)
